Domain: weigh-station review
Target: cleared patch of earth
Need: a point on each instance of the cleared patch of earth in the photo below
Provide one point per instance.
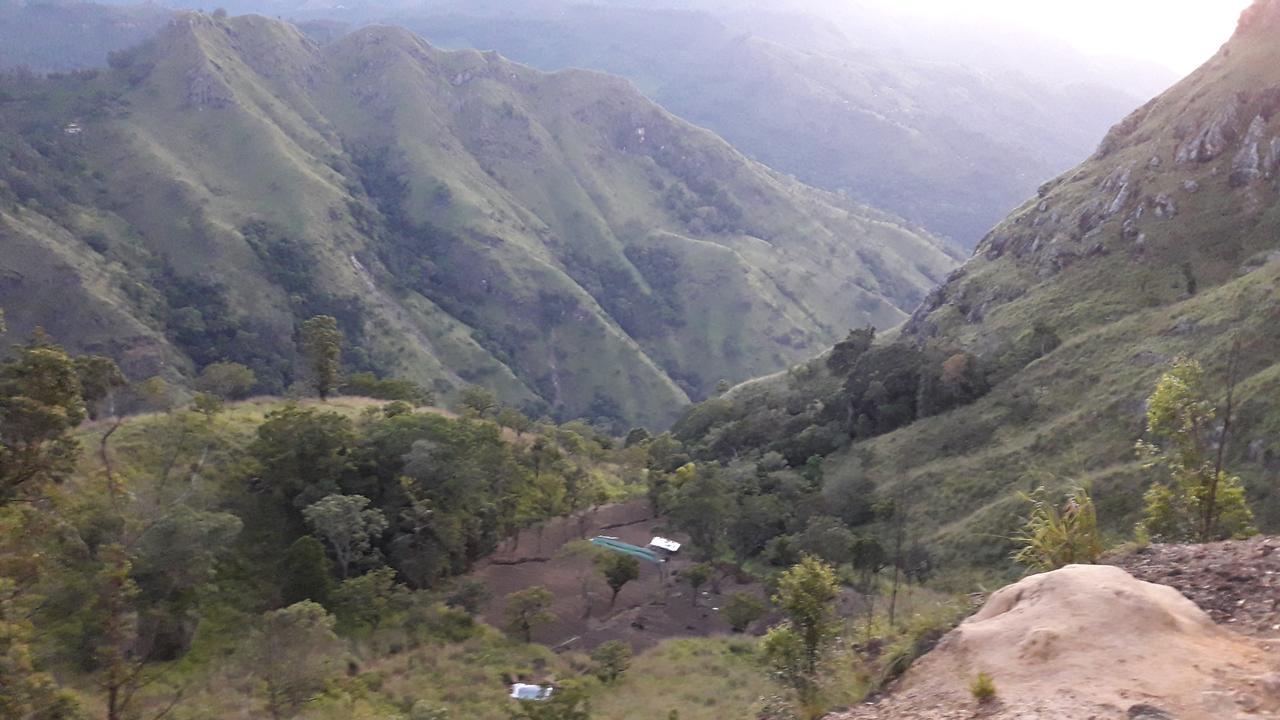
(1093, 643)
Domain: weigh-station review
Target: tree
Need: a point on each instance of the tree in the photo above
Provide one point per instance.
(697, 576)
(477, 401)
(207, 404)
(305, 572)
(469, 594)
(827, 538)
(1198, 501)
(302, 454)
(25, 692)
(618, 570)
(1053, 537)
(322, 344)
(509, 417)
(364, 603)
(742, 609)
(527, 609)
(227, 380)
(100, 378)
(349, 526)
(41, 401)
(797, 648)
(611, 659)
(699, 505)
(293, 652)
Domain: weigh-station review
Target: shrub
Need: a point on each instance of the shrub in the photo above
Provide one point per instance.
(742, 610)
(610, 660)
(983, 688)
(1054, 537)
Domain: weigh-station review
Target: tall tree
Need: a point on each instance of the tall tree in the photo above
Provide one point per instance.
(797, 648)
(1198, 500)
(41, 401)
(293, 652)
(322, 343)
(618, 570)
(349, 527)
(699, 505)
(527, 609)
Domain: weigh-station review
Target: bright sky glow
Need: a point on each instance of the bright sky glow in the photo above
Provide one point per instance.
(1179, 34)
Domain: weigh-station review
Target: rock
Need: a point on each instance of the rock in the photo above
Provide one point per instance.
(1154, 162)
(1191, 186)
(1257, 453)
(1165, 206)
(1212, 139)
(1148, 712)
(1272, 166)
(1247, 165)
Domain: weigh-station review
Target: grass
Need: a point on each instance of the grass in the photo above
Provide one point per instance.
(701, 679)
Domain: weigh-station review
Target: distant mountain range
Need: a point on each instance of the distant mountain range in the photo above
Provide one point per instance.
(557, 237)
(947, 125)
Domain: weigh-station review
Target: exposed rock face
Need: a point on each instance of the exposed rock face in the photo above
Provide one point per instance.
(1212, 138)
(1273, 158)
(1262, 16)
(1248, 163)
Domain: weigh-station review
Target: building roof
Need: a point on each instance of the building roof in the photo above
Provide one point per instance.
(665, 544)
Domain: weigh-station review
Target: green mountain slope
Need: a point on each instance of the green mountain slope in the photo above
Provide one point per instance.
(949, 145)
(468, 220)
(1032, 362)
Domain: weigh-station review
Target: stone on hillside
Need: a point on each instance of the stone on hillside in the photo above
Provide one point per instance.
(1165, 206)
(1191, 186)
(1273, 159)
(1212, 139)
(1247, 165)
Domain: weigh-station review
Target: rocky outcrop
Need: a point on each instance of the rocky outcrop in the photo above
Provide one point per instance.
(1211, 139)
(1248, 163)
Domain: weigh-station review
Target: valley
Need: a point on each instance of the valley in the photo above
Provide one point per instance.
(361, 371)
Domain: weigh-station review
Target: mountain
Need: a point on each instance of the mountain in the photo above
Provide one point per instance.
(60, 35)
(1031, 364)
(948, 145)
(946, 124)
(556, 237)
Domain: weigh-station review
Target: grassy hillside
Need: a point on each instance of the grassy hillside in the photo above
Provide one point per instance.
(1163, 244)
(950, 145)
(468, 220)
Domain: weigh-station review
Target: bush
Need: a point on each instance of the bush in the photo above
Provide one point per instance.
(1054, 537)
(610, 660)
(742, 610)
(983, 688)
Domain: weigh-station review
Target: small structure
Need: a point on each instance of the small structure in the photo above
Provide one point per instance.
(671, 547)
(531, 693)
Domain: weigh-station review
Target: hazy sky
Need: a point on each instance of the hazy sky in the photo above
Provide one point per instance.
(1179, 34)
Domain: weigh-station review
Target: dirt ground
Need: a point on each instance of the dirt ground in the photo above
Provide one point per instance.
(1089, 642)
(655, 607)
(1237, 583)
